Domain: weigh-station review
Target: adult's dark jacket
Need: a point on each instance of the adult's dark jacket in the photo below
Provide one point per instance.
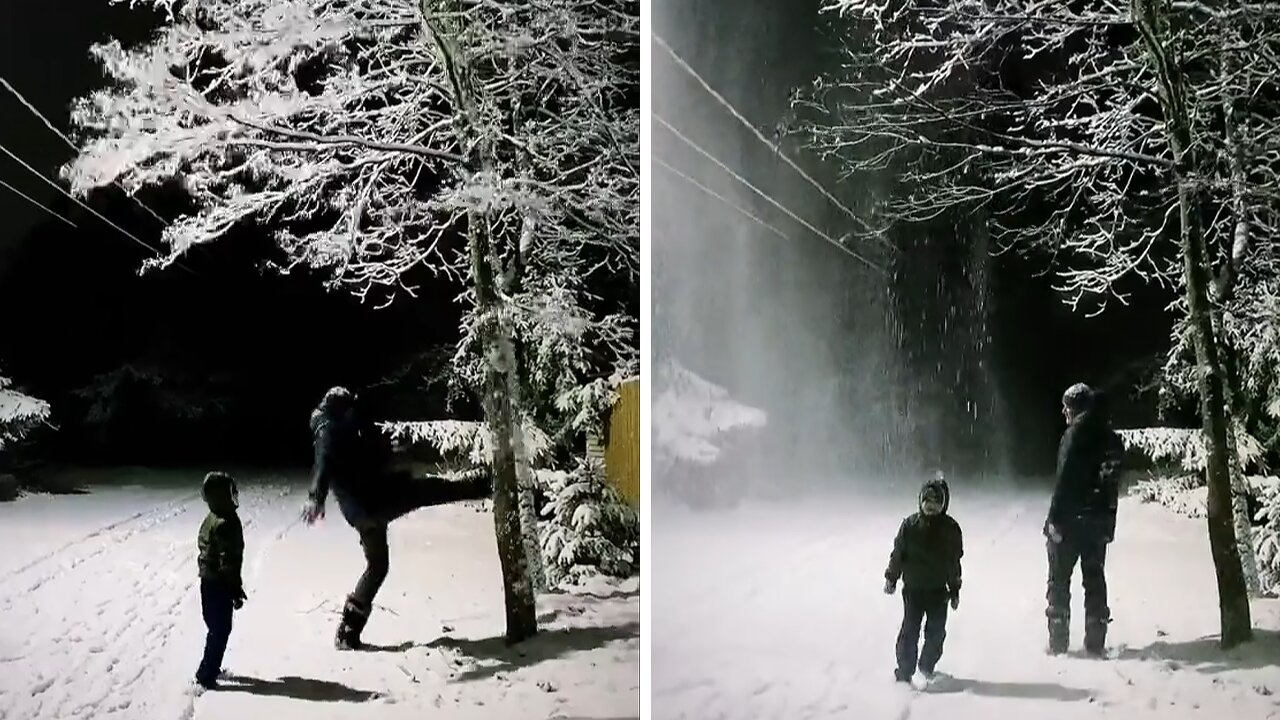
(1087, 493)
(350, 460)
(927, 549)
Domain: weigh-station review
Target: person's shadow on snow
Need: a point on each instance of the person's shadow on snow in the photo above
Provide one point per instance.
(397, 648)
(297, 688)
(546, 645)
(1020, 690)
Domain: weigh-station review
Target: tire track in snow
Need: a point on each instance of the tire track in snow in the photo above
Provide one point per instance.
(118, 659)
(97, 542)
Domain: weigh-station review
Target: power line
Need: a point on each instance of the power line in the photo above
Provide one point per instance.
(754, 130)
(34, 111)
(77, 201)
(764, 195)
(718, 196)
(35, 202)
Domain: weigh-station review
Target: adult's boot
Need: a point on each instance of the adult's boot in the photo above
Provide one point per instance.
(1059, 632)
(355, 615)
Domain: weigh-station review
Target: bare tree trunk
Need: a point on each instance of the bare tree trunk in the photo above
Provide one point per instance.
(514, 283)
(1226, 288)
(499, 410)
(1233, 600)
(501, 373)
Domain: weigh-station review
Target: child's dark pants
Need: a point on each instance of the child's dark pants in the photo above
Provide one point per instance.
(216, 603)
(929, 607)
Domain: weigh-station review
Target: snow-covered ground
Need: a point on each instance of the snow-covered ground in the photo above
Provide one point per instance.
(777, 611)
(101, 618)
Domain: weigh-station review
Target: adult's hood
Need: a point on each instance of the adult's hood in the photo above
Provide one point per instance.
(337, 404)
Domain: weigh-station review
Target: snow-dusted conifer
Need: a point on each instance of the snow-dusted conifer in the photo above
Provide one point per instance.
(589, 529)
(19, 413)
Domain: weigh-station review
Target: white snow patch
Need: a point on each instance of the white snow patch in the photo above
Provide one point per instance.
(103, 619)
(777, 611)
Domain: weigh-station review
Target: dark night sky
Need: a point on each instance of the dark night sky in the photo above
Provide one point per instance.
(72, 305)
(44, 53)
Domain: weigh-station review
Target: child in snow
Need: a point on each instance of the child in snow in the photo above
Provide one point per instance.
(926, 556)
(221, 543)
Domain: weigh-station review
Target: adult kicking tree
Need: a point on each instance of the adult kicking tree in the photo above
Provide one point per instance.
(491, 143)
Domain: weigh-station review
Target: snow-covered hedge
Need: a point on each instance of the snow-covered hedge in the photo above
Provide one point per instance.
(690, 414)
(18, 413)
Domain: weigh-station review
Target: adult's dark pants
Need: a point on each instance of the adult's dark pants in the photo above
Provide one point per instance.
(930, 608)
(377, 562)
(404, 495)
(216, 604)
(1090, 551)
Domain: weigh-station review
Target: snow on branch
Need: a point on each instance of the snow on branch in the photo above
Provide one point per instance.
(18, 412)
(336, 124)
(1185, 446)
(689, 413)
(1072, 161)
(463, 440)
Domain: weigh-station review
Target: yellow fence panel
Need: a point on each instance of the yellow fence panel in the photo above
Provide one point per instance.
(622, 452)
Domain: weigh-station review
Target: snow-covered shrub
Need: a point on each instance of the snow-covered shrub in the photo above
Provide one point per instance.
(691, 415)
(590, 529)
(1267, 537)
(19, 413)
(1183, 494)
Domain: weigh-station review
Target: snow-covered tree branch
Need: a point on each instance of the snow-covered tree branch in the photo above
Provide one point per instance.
(18, 413)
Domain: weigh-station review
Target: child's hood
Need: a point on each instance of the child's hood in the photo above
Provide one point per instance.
(940, 485)
(219, 495)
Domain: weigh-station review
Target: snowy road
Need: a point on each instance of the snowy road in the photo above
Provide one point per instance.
(777, 612)
(102, 620)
